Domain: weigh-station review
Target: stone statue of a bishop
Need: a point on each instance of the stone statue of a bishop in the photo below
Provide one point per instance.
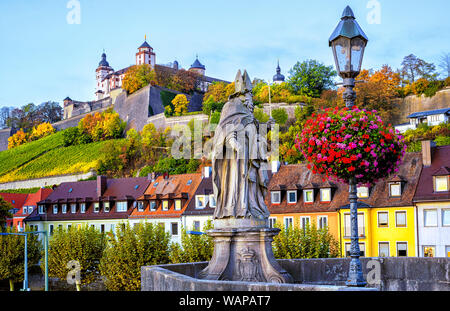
(239, 158)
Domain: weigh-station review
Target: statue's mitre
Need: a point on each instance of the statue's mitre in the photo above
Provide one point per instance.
(242, 83)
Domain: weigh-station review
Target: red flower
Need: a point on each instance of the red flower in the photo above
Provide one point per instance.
(351, 169)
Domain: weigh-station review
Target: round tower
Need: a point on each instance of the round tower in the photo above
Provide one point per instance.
(198, 67)
(102, 71)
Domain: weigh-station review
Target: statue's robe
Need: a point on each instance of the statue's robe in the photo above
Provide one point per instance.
(239, 179)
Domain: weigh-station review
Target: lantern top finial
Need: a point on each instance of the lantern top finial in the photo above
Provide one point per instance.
(348, 27)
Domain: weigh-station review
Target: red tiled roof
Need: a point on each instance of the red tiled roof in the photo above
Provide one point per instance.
(440, 161)
(379, 194)
(174, 187)
(16, 199)
(33, 199)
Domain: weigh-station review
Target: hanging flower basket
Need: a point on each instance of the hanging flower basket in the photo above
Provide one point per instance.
(342, 144)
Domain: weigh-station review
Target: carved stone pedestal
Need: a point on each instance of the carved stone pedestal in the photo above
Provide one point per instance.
(244, 254)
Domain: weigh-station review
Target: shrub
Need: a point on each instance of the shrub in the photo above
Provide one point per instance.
(280, 116)
(433, 88)
(447, 82)
(194, 248)
(442, 140)
(260, 115)
(41, 130)
(71, 136)
(180, 105)
(19, 138)
(309, 242)
(85, 245)
(130, 249)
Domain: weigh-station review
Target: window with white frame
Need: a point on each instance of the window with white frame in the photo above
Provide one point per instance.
(275, 197)
(430, 218)
(200, 201)
(383, 219)
(288, 222)
(395, 189)
(152, 206)
(73, 208)
(362, 192)
(347, 225)
(308, 196)
(400, 219)
(122, 206)
(272, 221)
(41, 209)
(325, 195)
(212, 201)
(140, 206)
(383, 249)
(196, 225)
(64, 208)
(165, 205)
(362, 249)
(106, 207)
(83, 208)
(55, 209)
(446, 217)
(304, 221)
(322, 221)
(441, 183)
(96, 207)
(174, 228)
(178, 205)
(402, 249)
(292, 197)
(429, 251)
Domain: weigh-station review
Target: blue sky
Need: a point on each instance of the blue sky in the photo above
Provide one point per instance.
(43, 57)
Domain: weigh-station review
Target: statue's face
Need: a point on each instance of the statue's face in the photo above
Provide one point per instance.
(248, 102)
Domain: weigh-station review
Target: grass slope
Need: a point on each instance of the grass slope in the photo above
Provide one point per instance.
(47, 157)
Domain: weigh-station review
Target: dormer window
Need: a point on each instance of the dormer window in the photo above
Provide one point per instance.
(440, 183)
(122, 206)
(362, 192)
(140, 206)
(308, 196)
(178, 205)
(200, 201)
(275, 197)
(106, 207)
(96, 207)
(165, 205)
(83, 208)
(152, 206)
(292, 197)
(73, 208)
(395, 189)
(212, 201)
(55, 209)
(325, 195)
(41, 209)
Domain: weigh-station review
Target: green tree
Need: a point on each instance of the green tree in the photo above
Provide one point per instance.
(414, 68)
(193, 248)
(260, 115)
(12, 255)
(311, 78)
(5, 207)
(85, 245)
(130, 249)
(180, 104)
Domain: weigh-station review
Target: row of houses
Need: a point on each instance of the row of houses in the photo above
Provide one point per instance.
(407, 214)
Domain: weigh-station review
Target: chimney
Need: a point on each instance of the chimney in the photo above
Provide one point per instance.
(151, 176)
(207, 170)
(101, 185)
(275, 166)
(426, 152)
(166, 175)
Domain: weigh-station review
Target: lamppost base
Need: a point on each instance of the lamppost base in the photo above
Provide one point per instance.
(355, 275)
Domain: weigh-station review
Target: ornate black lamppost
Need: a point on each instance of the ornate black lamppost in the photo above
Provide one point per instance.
(348, 42)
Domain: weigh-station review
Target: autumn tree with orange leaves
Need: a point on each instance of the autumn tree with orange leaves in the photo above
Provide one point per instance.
(378, 91)
(138, 77)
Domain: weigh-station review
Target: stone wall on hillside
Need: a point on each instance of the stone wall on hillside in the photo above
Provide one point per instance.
(413, 103)
(45, 181)
(4, 135)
